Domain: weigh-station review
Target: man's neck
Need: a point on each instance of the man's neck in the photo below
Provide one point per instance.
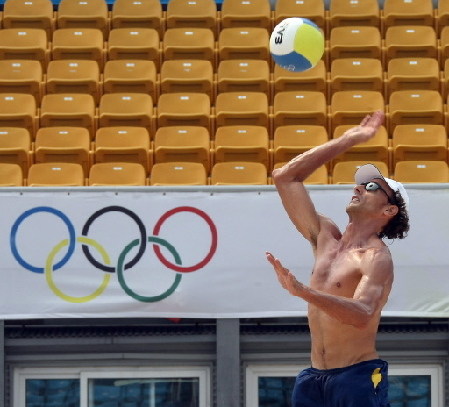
(360, 234)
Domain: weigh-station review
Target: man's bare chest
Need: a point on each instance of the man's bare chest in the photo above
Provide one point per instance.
(337, 273)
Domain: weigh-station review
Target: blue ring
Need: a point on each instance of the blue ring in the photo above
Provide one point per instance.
(25, 215)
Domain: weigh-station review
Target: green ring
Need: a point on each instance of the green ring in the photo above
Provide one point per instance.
(129, 291)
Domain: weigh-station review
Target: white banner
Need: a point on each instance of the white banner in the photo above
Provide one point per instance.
(200, 254)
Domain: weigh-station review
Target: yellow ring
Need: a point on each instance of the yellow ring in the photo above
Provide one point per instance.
(49, 271)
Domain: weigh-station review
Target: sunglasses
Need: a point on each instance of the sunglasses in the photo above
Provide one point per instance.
(374, 186)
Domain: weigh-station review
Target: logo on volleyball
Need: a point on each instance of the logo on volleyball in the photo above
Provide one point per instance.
(123, 263)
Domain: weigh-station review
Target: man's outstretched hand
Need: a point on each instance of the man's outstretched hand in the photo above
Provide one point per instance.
(368, 127)
(287, 279)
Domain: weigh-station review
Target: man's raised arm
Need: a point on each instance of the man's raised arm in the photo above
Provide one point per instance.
(289, 178)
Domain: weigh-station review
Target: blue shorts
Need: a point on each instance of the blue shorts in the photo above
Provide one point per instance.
(364, 384)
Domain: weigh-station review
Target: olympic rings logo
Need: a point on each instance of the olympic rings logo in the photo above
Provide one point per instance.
(123, 263)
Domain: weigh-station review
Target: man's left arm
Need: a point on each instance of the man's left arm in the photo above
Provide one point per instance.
(369, 297)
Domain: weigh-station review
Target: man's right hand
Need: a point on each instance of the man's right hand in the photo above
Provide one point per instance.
(367, 128)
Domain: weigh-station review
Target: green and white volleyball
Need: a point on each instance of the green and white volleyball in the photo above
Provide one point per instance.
(297, 44)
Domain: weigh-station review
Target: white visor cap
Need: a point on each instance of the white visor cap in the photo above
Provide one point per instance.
(368, 172)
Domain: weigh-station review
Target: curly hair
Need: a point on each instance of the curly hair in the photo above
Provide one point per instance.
(398, 226)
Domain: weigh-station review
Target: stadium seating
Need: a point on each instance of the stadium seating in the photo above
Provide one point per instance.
(182, 83)
(354, 13)
(137, 14)
(117, 174)
(74, 76)
(239, 173)
(242, 143)
(178, 173)
(183, 144)
(15, 147)
(22, 76)
(29, 14)
(124, 144)
(132, 76)
(63, 144)
(11, 175)
(56, 174)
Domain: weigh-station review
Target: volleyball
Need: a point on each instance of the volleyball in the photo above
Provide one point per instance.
(296, 44)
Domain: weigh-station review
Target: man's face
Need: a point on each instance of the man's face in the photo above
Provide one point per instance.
(372, 195)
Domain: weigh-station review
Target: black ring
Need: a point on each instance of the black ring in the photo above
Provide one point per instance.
(142, 230)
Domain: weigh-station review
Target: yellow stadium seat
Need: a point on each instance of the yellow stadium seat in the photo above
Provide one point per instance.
(124, 144)
(375, 149)
(442, 14)
(354, 13)
(178, 173)
(63, 144)
(410, 41)
(242, 143)
(355, 42)
(189, 43)
(419, 142)
(249, 75)
(83, 14)
(312, 9)
(444, 45)
(299, 108)
(243, 43)
(73, 110)
(117, 174)
(187, 76)
(408, 12)
(15, 147)
(343, 171)
(74, 76)
(313, 79)
(130, 75)
(239, 173)
(237, 108)
(24, 43)
(182, 144)
(126, 109)
(415, 107)
(184, 109)
(421, 171)
(22, 76)
(11, 175)
(413, 73)
(134, 43)
(137, 14)
(56, 175)
(351, 106)
(192, 13)
(29, 14)
(246, 13)
(290, 141)
(18, 110)
(78, 43)
(319, 177)
(356, 74)
(445, 80)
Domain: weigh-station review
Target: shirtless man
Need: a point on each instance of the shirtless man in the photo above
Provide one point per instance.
(351, 278)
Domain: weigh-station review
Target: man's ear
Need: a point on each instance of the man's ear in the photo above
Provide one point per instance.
(391, 210)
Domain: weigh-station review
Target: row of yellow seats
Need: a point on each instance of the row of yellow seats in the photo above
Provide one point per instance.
(186, 173)
(230, 143)
(83, 76)
(232, 13)
(199, 43)
(231, 108)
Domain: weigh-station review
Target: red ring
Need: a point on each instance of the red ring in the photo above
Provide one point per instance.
(213, 246)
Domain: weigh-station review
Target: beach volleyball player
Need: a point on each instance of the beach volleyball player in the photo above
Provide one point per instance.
(351, 278)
